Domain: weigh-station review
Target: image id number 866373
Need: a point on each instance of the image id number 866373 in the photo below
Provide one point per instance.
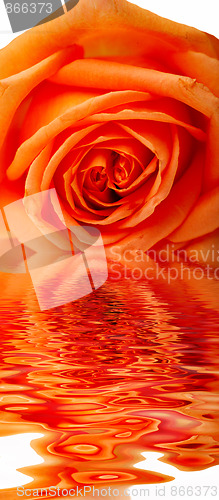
(26, 8)
(193, 491)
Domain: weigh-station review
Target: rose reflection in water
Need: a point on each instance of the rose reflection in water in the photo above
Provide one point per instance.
(128, 370)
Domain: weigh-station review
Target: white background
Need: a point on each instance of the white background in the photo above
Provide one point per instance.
(202, 14)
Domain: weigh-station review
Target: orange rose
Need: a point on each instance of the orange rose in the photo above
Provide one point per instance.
(117, 109)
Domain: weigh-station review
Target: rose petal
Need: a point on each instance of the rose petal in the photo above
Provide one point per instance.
(168, 215)
(204, 218)
(93, 21)
(111, 75)
(32, 147)
(15, 88)
(200, 66)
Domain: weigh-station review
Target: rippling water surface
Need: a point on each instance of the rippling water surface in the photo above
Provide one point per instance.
(131, 368)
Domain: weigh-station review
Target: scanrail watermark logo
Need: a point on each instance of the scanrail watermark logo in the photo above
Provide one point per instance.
(64, 263)
(25, 14)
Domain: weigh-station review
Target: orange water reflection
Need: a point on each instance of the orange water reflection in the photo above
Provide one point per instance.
(128, 369)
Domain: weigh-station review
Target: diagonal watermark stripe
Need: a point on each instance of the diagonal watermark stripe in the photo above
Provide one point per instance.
(65, 264)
